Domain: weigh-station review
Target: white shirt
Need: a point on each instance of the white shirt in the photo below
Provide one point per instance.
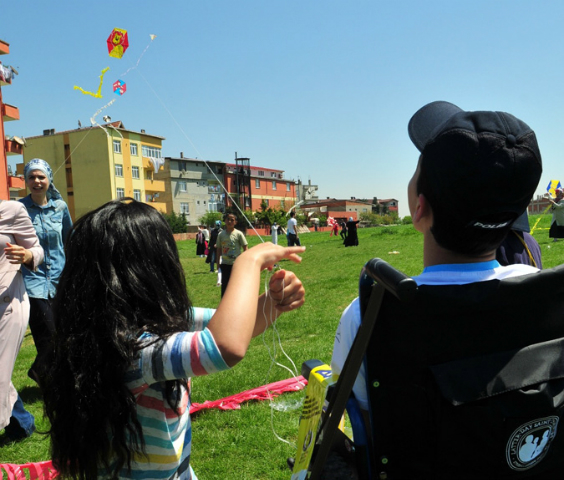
(292, 223)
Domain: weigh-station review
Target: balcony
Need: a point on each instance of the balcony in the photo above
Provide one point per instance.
(16, 182)
(160, 206)
(9, 112)
(154, 186)
(13, 148)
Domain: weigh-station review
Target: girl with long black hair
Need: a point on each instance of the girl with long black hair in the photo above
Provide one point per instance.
(127, 341)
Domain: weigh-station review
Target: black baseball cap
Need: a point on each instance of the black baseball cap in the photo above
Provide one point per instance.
(486, 165)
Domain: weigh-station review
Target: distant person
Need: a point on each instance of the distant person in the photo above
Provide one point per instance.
(128, 340)
(200, 242)
(557, 227)
(334, 229)
(230, 243)
(212, 245)
(292, 230)
(343, 231)
(51, 219)
(352, 236)
(274, 233)
(519, 246)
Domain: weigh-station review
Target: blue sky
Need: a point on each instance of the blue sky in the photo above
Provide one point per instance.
(320, 89)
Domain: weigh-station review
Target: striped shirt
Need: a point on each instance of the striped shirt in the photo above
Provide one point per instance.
(168, 436)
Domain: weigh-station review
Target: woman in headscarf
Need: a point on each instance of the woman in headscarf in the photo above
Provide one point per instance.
(352, 237)
(52, 222)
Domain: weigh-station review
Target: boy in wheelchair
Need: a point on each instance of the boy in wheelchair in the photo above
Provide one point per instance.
(465, 379)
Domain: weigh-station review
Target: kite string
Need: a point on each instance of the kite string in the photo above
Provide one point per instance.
(279, 405)
(199, 155)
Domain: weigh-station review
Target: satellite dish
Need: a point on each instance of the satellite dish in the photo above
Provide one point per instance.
(107, 118)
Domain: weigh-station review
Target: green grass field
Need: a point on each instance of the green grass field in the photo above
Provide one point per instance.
(241, 444)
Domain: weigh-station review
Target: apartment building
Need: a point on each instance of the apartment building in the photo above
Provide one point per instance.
(192, 186)
(94, 165)
(250, 186)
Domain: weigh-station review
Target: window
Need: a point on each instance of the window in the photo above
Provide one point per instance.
(147, 151)
(261, 173)
(257, 183)
(119, 170)
(266, 202)
(182, 166)
(137, 195)
(273, 184)
(117, 146)
(184, 208)
(120, 192)
(181, 186)
(288, 187)
(148, 174)
(134, 172)
(273, 174)
(133, 149)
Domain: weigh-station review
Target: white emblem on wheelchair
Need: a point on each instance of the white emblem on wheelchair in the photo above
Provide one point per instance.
(529, 443)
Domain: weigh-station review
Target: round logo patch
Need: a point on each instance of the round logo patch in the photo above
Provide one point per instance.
(529, 443)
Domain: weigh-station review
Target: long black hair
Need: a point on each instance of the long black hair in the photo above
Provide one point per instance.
(122, 278)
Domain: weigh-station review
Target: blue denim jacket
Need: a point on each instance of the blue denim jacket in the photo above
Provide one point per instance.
(52, 223)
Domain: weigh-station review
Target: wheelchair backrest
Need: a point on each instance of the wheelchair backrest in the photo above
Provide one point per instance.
(467, 381)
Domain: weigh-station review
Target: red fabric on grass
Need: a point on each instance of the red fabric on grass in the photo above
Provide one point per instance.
(260, 393)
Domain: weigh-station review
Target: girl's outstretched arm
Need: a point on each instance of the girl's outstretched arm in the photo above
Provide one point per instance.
(240, 313)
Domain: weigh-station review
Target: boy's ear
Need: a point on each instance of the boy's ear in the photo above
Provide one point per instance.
(423, 215)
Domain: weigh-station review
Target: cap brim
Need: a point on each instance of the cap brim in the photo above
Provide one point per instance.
(426, 120)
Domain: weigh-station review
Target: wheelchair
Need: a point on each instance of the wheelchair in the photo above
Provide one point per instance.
(464, 381)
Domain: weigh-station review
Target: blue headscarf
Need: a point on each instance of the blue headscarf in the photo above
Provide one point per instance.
(38, 164)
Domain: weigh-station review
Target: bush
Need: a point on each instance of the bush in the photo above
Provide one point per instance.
(177, 223)
(407, 220)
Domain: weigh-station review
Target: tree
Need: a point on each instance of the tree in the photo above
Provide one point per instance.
(177, 223)
(210, 218)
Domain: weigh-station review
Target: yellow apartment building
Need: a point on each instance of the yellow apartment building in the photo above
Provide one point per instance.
(94, 165)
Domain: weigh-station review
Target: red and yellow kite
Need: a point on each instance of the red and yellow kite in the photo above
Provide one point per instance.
(117, 43)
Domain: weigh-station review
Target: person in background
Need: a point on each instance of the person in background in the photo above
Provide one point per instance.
(128, 340)
(230, 243)
(21, 248)
(520, 246)
(212, 245)
(334, 229)
(52, 222)
(292, 230)
(274, 233)
(352, 235)
(200, 242)
(557, 226)
(343, 231)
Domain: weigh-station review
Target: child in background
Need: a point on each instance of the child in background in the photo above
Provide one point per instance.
(230, 242)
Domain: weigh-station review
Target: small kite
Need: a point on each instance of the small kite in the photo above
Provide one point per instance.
(98, 94)
(120, 87)
(117, 43)
(552, 186)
